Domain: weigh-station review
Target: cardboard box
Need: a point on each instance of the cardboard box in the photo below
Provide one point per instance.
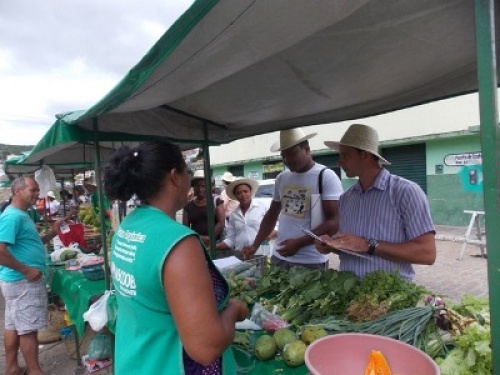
(95, 365)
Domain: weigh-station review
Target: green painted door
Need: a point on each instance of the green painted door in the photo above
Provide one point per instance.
(330, 160)
(409, 162)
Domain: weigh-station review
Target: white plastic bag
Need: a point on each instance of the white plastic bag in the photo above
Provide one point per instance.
(46, 180)
(97, 314)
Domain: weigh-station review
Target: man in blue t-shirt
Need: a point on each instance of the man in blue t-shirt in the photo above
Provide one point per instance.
(22, 266)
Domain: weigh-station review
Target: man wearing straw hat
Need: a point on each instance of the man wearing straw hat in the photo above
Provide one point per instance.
(293, 204)
(384, 216)
(229, 204)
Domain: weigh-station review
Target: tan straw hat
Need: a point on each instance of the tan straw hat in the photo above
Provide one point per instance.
(199, 174)
(290, 138)
(228, 177)
(254, 185)
(362, 137)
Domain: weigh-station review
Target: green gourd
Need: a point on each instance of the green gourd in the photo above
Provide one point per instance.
(68, 254)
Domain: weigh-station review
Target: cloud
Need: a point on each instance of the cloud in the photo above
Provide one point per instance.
(57, 55)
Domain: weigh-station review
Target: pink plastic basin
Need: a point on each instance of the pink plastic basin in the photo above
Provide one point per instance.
(347, 354)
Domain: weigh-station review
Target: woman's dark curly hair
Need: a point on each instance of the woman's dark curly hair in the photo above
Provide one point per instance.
(140, 170)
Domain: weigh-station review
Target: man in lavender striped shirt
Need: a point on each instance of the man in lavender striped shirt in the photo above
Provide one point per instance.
(383, 216)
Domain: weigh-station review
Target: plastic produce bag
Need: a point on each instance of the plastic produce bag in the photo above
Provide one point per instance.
(46, 180)
(267, 320)
(97, 314)
(100, 347)
(112, 309)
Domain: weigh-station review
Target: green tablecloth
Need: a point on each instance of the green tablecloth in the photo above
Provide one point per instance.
(76, 292)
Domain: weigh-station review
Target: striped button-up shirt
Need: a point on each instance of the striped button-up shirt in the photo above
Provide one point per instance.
(393, 210)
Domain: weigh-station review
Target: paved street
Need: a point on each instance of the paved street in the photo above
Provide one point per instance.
(448, 277)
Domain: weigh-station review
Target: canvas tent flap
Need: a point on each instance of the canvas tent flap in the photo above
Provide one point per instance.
(251, 67)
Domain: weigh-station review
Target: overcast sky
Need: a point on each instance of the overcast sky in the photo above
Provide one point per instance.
(63, 55)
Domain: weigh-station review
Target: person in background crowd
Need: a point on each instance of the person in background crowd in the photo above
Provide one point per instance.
(67, 208)
(292, 204)
(244, 222)
(79, 194)
(22, 266)
(195, 212)
(229, 204)
(48, 206)
(90, 187)
(177, 309)
(383, 215)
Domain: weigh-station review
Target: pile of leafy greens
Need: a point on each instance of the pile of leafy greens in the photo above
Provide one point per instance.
(472, 352)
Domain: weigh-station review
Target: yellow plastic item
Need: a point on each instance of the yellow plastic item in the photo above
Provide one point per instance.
(377, 364)
(67, 320)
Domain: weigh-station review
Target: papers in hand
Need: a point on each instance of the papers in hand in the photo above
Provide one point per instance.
(311, 234)
(226, 262)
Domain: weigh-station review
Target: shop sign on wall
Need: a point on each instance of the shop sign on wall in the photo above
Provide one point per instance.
(468, 158)
(274, 167)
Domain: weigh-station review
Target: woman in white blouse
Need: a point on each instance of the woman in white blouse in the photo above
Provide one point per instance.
(243, 223)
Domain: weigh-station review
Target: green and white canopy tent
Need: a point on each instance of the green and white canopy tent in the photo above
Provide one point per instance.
(229, 69)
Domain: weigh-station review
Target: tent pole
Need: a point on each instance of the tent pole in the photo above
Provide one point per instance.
(490, 147)
(102, 210)
(208, 193)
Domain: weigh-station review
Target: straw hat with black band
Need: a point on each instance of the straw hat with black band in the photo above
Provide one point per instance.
(254, 185)
(290, 138)
(228, 177)
(362, 137)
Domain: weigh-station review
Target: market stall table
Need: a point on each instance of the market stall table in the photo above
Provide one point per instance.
(76, 292)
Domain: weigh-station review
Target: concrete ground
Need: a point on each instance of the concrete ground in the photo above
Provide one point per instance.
(448, 277)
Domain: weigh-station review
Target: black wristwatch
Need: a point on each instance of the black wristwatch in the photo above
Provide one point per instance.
(372, 245)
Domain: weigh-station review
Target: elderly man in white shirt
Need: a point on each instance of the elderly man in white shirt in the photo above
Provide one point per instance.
(244, 222)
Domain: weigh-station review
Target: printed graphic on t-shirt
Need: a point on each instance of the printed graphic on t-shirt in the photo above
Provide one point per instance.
(296, 201)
